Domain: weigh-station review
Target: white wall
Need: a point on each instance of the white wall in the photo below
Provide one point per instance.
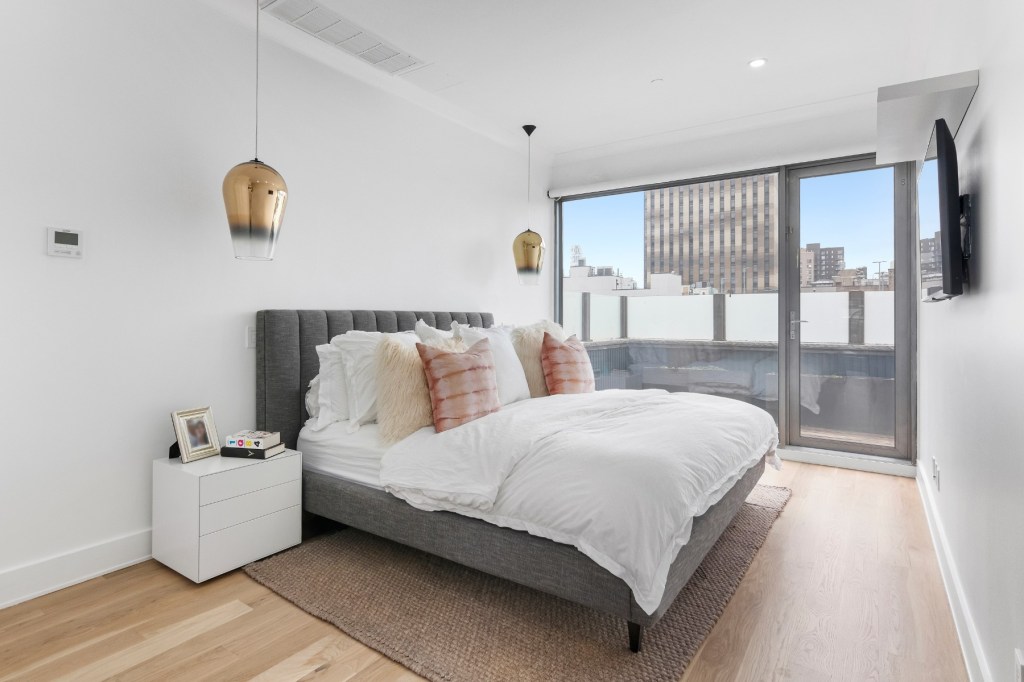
(122, 122)
(971, 379)
(716, 149)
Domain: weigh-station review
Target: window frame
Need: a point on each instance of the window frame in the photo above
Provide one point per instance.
(789, 272)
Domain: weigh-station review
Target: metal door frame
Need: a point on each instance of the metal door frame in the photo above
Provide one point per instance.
(904, 229)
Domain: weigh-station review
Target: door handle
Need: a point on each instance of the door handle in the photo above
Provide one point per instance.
(792, 327)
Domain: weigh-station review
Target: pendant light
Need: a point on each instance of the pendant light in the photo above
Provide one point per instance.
(528, 247)
(255, 194)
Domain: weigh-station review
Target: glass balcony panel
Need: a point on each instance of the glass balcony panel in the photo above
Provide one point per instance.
(572, 313)
(605, 317)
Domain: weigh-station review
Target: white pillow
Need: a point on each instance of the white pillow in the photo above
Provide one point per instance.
(428, 333)
(313, 397)
(512, 385)
(358, 357)
(331, 390)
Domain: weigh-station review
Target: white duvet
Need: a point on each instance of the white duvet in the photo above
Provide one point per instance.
(618, 474)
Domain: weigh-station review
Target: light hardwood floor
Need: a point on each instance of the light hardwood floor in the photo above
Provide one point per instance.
(846, 587)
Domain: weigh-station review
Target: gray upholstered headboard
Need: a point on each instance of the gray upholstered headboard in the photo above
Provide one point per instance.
(286, 359)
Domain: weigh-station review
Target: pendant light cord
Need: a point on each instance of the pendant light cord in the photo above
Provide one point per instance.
(529, 168)
(256, 141)
(528, 129)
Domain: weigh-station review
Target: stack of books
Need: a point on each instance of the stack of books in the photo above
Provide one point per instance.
(253, 445)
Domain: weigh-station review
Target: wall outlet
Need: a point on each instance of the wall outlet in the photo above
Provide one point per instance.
(1019, 667)
(250, 337)
(936, 476)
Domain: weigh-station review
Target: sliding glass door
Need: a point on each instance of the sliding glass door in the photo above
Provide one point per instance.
(847, 314)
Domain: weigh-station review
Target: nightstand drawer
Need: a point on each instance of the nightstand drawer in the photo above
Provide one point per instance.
(236, 546)
(258, 475)
(236, 510)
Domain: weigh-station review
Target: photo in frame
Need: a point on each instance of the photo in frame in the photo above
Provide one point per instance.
(196, 433)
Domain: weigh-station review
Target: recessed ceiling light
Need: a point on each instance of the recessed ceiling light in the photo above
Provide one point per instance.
(758, 63)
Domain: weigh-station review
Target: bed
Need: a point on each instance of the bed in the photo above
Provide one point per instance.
(287, 361)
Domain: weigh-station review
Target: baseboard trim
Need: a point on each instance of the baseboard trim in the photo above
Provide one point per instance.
(35, 579)
(970, 642)
(875, 465)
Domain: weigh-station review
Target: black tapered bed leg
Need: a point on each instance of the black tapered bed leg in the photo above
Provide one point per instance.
(636, 636)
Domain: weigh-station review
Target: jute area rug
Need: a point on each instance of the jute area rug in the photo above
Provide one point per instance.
(450, 623)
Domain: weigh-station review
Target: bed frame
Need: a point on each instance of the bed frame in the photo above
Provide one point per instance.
(286, 361)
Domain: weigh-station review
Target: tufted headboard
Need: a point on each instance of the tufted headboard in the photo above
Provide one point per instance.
(286, 359)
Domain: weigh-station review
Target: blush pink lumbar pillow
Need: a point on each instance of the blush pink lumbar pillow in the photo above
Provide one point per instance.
(463, 386)
(567, 367)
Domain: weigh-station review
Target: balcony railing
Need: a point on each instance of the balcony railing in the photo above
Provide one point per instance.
(848, 317)
(728, 345)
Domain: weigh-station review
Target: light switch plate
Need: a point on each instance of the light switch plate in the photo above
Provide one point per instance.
(250, 337)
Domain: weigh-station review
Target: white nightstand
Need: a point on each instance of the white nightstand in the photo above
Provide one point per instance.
(216, 514)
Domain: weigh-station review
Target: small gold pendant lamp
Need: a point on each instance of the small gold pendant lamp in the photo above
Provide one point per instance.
(528, 247)
(255, 194)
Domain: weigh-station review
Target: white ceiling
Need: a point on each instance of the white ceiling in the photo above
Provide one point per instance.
(581, 69)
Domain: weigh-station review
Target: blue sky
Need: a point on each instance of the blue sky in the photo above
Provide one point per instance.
(610, 230)
(853, 210)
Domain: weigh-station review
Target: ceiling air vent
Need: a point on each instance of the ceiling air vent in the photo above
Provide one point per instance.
(328, 26)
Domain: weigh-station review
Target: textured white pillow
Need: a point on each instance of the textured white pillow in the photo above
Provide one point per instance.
(331, 390)
(511, 378)
(428, 333)
(358, 357)
(528, 341)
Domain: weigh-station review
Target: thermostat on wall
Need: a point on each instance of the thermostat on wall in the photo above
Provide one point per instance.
(66, 243)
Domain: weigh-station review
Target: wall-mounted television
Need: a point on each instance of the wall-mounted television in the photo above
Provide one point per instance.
(953, 239)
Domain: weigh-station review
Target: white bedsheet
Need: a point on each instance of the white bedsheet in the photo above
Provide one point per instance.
(351, 456)
(618, 474)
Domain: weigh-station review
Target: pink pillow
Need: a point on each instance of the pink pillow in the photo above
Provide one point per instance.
(463, 386)
(567, 367)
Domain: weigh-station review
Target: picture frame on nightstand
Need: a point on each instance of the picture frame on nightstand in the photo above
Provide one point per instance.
(196, 433)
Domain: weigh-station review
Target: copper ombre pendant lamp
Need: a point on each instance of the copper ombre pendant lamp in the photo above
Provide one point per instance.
(528, 247)
(255, 195)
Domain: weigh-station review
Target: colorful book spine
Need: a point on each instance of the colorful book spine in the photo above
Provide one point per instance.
(254, 439)
(253, 453)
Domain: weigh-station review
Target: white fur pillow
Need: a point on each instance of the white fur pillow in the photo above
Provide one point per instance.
(528, 341)
(403, 399)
